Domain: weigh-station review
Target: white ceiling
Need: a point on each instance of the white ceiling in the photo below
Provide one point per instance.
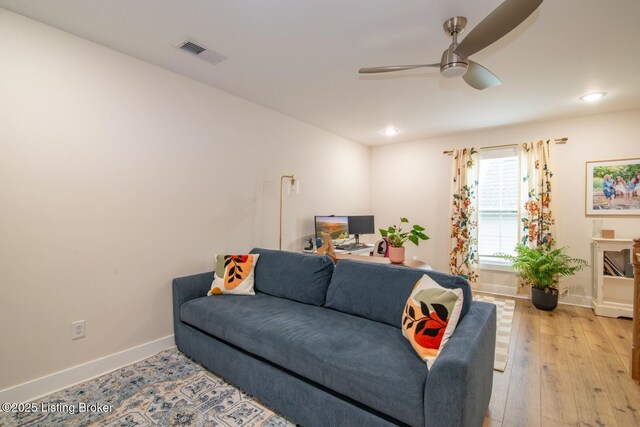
(301, 57)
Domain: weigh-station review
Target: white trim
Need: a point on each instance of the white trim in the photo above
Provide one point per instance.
(495, 265)
(619, 240)
(579, 300)
(499, 289)
(511, 291)
(612, 309)
(43, 386)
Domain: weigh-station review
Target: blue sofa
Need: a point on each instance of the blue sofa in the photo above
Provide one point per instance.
(322, 345)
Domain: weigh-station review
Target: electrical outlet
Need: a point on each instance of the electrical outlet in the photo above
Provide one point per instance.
(77, 329)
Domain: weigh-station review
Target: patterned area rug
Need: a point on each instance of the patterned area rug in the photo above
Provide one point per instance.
(505, 309)
(167, 389)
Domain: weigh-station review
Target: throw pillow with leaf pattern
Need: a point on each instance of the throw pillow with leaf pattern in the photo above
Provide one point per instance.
(430, 317)
(234, 275)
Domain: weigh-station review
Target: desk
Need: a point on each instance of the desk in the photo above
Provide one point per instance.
(365, 250)
(413, 263)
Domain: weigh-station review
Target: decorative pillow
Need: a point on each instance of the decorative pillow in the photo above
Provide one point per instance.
(234, 275)
(430, 317)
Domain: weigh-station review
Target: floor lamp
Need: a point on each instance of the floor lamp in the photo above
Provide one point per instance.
(294, 188)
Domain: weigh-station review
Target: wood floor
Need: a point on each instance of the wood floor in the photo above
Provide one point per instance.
(565, 368)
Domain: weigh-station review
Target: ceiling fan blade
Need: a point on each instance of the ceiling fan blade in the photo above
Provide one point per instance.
(390, 68)
(496, 25)
(479, 77)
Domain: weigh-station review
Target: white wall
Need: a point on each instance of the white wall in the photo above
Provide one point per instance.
(117, 176)
(412, 179)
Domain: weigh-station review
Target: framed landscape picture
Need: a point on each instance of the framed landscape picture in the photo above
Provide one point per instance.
(613, 188)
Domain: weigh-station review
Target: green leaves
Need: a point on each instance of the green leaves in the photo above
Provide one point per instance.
(543, 267)
(398, 238)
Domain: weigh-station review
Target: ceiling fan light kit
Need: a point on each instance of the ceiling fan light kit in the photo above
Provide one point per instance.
(455, 60)
(452, 64)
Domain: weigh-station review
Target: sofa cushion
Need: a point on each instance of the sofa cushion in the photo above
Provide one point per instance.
(369, 362)
(295, 276)
(380, 292)
(430, 317)
(234, 274)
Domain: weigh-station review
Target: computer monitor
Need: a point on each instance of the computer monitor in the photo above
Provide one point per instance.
(336, 226)
(361, 224)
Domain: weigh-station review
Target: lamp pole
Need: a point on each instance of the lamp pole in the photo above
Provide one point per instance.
(292, 182)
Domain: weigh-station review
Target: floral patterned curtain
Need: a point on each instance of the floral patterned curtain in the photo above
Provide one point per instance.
(538, 224)
(464, 215)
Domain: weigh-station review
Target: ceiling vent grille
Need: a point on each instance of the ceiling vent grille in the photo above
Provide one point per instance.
(192, 48)
(195, 48)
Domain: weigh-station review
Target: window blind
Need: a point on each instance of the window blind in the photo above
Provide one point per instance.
(498, 200)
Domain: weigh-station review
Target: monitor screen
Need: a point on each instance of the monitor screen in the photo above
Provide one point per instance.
(336, 226)
(361, 224)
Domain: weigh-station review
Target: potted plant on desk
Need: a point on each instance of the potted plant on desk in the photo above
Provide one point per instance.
(397, 238)
(541, 268)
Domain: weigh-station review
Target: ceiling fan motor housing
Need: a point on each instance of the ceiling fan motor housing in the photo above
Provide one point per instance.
(452, 65)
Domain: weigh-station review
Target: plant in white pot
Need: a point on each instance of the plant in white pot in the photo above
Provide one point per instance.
(397, 238)
(541, 268)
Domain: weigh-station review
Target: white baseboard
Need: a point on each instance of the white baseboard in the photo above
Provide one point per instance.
(39, 387)
(579, 300)
(510, 291)
(500, 290)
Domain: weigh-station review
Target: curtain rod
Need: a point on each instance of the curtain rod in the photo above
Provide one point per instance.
(557, 141)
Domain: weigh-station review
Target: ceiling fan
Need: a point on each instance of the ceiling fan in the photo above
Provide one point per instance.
(455, 60)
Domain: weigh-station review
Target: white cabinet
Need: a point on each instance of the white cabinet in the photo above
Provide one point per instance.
(612, 295)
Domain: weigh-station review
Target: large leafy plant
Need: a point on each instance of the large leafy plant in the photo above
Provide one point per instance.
(542, 267)
(397, 237)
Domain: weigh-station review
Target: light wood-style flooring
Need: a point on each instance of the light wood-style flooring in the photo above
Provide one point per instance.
(567, 367)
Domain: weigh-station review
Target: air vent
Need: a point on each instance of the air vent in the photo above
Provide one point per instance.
(195, 48)
(192, 48)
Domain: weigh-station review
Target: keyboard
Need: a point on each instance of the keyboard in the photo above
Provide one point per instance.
(350, 247)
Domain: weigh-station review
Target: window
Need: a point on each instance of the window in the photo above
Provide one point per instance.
(498, 200)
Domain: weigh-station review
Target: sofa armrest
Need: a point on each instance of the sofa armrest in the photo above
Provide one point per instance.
(458, 386)
(185, 289)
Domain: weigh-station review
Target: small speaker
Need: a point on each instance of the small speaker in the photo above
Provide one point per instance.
(381, 248)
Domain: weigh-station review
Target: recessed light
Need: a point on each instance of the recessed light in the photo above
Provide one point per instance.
(390, 131)
(592, 97)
